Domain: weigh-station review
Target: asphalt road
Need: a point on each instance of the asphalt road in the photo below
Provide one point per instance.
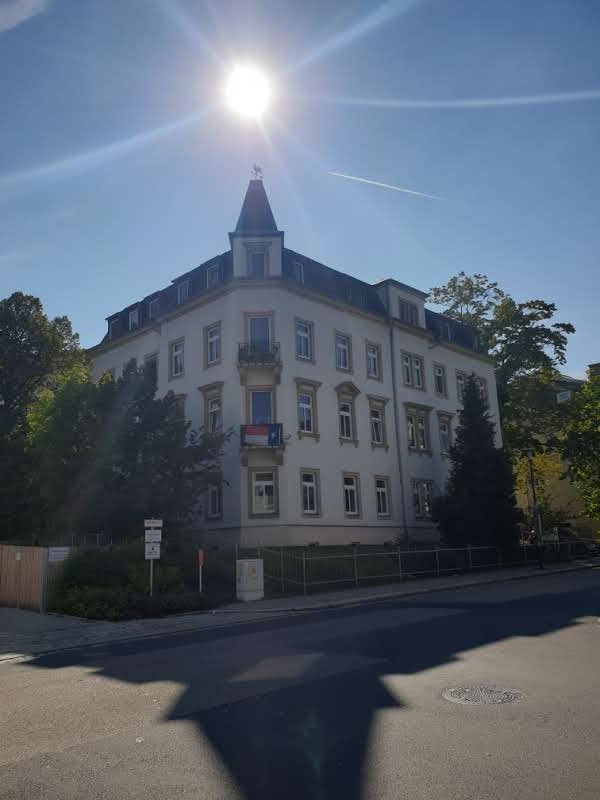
(337, 704)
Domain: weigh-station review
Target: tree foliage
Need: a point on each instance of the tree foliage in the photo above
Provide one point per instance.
(526, 345)
(581, 445)
(479, 504)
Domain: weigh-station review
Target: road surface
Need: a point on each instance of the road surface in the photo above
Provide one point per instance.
(334, 704)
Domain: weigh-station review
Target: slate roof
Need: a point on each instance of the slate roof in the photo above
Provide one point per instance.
(256, 215)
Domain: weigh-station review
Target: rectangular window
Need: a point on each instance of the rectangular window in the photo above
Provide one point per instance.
(261, 407)
(413, 370)
(113, 328)
(345, 413)
(257, 264)
(176, 359)
(382, 496)
(212, 344)
(134, 319)
(408, 313)
(264, 498)
(305, 412)
(304, 345)
(179, 400)
(418, 429)
(151, 364)
(153, 308)
(373, 361)
(422, 499)
(377, 422)
(299, 272)
(461, 381)
(259, 333)
(213, 276)
(445, 434)
(351, 499)
(439, 376)
(183, 292)
(214, 505)
(309, 486)
(214, 414)
(342, 352)
(482, 387)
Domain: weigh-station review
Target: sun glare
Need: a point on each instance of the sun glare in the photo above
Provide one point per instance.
(248, 91)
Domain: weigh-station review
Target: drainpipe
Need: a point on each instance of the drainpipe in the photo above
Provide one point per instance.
(397, 426)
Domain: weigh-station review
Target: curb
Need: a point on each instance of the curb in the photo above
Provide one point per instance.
(290, 611)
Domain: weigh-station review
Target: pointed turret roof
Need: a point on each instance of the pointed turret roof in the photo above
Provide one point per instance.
(256, 215)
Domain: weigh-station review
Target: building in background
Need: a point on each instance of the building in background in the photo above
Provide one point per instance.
(345, 394)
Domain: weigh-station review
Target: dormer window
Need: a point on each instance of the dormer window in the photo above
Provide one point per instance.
(408, 312)
(299, 272)
(153, 308)
(213, 276)
(257, 264)
(113, 328)
(134, 319)
(183, 292)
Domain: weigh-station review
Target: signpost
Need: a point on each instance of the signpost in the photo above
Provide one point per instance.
(200, 565)
(153, 537)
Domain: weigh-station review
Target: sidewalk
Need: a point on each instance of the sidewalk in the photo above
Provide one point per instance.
(24, 634)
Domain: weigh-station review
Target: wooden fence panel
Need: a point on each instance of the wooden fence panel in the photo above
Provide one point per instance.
(22, 576)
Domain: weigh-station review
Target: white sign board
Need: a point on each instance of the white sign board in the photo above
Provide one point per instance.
(153, 523)
(18, 555)
(58, 553)
(153, 535)
(152, 551)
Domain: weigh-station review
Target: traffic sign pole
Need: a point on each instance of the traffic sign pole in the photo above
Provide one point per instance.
(151, 576)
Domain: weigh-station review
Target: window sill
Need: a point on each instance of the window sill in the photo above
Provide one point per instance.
(347, 370)
(175, 377)
(420, 452)
(273, 515)
(214, 517)
(380, 446)
(352, 516)
(375, 378)
(212, 363)
(384, 516)
(305, 359)
(311, 515)
(309, 435)
(348, 441)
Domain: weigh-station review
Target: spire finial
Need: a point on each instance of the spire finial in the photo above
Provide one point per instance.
(257, 172)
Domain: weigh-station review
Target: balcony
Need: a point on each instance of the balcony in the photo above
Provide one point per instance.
(267, 438)
(262, 355)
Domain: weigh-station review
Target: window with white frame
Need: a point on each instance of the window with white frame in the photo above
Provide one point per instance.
(345, 415)
(213, 276)
(309, 486)
(212, 344)
(408, 312)
(304, 344)
(151, 364)
(299, 272)
(153, 308)
(351, 496)
(134, 319)
(445, 433)
(113, 328)
(214, 413)
(176, 359)
(183, 291)
(343, 355)
(257, 263)
(413, 370)
(214, 504)
(382, 496)
(306, 412)
(377, 421)
(439, 380)
(373, 361)
(481, 384)
(417, 421)
(261, 406)
(422, 498)
(461, 382)
(264, 492)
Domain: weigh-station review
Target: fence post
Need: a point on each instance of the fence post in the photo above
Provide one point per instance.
(470, 558)
(499, 557)
(281, 566)
(437, 561)
(304, 570)
(400, 562)
(355, 568)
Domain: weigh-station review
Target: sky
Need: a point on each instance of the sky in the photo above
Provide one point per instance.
(121, 168)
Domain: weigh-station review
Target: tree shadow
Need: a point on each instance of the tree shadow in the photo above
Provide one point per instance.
(288, 704)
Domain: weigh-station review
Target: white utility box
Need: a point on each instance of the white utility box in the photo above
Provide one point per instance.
(250, 579)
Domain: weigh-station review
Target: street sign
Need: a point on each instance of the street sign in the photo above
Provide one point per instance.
(152, 551)
(153, 535)
(153, 523)
(58, 553)
(18, 555)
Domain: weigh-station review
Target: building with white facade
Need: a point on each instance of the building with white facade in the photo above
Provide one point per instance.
(344, 394)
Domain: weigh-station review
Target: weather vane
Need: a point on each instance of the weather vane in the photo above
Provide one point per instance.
(257, 172)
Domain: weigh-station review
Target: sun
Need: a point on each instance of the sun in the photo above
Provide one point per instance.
(248, 91)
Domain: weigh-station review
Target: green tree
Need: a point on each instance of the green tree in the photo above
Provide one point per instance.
(478, 506)
(581, 447)
(526, 346)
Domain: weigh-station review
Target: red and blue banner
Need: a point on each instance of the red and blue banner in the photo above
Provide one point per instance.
(261, 435)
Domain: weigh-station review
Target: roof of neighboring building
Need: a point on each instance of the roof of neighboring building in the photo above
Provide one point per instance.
(256, 215)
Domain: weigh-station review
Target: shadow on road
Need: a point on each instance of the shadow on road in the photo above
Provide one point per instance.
(289, 704)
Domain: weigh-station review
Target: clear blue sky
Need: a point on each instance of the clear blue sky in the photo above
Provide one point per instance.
(103, 198)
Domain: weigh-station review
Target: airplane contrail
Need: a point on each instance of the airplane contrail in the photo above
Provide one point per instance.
(386, 185)
(473, 102)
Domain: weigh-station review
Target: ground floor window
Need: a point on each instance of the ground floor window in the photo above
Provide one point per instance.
(422, 498)
(309, 485)
(263, 492)
(382, 496)
(351, 496)
(214, 502)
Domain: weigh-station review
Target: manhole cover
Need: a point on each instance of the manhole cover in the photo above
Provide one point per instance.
(481, 695)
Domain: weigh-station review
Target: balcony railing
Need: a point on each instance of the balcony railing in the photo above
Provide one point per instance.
(259, 355)
(266, 435)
